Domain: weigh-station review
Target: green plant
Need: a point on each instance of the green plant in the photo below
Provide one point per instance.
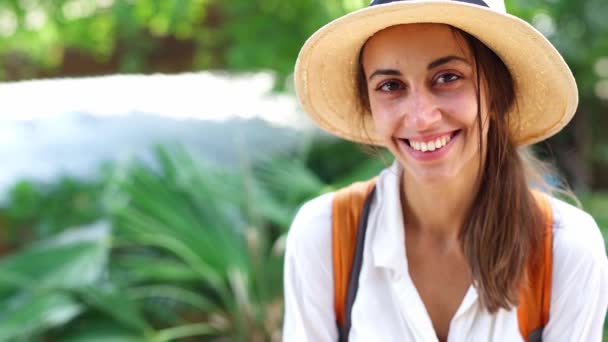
(206, 241)
(196, 251)
(39, 285)
(36, 211)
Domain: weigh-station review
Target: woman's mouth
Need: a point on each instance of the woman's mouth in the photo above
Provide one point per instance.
(432, 145)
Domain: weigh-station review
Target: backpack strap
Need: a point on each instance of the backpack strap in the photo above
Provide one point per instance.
(535, 296)
(350, 208)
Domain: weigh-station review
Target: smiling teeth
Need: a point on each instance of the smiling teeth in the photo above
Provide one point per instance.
(430, 145)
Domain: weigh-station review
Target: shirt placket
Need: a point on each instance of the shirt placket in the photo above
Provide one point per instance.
(412, 309)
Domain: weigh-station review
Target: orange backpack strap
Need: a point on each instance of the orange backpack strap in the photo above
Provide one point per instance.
(535, 297)
(347, 208)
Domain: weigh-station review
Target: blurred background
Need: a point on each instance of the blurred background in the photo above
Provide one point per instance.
(154, 157)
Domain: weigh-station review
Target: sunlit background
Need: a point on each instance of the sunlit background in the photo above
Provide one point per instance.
(154, 156)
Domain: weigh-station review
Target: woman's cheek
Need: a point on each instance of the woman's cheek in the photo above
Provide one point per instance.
(463, 109)
(384, 123)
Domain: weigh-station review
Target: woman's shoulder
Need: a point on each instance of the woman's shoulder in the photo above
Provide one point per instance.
(576, 235)
(312, 225)
(575, 223)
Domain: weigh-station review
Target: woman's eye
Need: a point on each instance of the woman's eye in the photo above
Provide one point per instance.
(390, 86)
(447, 78)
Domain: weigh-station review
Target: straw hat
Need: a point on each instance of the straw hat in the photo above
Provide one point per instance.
(326, 69)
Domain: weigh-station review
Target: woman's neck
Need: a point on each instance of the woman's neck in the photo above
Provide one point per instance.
(438, 208)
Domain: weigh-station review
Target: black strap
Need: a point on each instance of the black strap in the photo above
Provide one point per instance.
(474, 2)
(536, 335)
(355, 271)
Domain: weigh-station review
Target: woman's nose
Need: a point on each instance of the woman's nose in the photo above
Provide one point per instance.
(422, 112)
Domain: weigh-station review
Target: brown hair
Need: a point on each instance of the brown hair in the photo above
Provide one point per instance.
(503, 229)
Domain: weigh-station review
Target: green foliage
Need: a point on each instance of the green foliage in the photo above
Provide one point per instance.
(37, 283)
(270, 33)
(283, 185)
(95, 328)
(340, 163)
(110, 300)
(236, 35)
(209, 230)
(190, 257)
(39, 211)
(38, 313)
(43, 30)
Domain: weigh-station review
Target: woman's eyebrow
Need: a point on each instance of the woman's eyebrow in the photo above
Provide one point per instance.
(389, 72)
(433, 64)
(444, 60)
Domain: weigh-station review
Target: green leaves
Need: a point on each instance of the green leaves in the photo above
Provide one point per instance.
(99, 329)
(72, 259)
(183, 210)
(203, 229)
(42, 210)
(113, 302)
(36, 284)
(34, 313)
(217, 34)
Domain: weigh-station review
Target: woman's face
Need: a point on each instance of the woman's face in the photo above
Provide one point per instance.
(422, 91)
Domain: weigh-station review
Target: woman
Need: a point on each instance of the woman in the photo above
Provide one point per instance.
(453, 233)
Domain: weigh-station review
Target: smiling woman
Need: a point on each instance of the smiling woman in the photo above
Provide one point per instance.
(452, 242)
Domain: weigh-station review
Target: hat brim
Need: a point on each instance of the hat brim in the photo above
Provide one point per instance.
(325, 72)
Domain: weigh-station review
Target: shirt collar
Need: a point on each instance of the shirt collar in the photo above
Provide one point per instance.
(386, 221)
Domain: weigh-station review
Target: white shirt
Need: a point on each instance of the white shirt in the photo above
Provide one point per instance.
(388, 306)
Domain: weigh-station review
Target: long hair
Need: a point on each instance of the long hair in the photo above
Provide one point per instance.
(503, 229)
